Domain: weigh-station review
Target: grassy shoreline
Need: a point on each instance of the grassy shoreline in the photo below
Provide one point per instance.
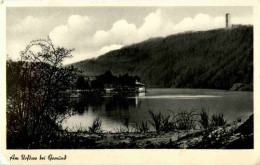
(220, 135)
(236, 136)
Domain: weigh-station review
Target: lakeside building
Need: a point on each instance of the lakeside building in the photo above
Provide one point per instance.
(139, 87)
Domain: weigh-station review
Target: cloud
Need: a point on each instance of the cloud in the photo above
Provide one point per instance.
(241, 20)
(199, 22)
(154, 26)
(82, 54)
(106, 49)
(121, 32)
(79, 33)
(125, 33)
(31, 27)
(14, 48)
(78, 22)
(83, 34)
(29, 24)
(22, 31)
(74, 34)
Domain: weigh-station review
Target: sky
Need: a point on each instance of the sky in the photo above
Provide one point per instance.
(93, 31)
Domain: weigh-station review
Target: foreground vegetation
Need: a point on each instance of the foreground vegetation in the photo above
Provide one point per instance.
(234, 136)
(182, 130)
(215, 59)
(36, 102)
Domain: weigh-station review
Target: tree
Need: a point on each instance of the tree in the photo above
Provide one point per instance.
(108, 77)
(86, 85)
(97, 84)
(80, 83)
(36, 88)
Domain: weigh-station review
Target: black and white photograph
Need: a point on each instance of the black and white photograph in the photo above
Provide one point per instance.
(129, 77)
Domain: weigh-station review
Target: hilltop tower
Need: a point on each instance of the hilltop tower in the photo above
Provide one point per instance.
(227, 20)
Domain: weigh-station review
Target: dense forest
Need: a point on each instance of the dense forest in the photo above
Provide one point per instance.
(215, 59)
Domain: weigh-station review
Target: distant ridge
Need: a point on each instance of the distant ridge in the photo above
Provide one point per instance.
(214, 59)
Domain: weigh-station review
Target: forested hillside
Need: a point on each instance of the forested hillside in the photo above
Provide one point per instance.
(214, 59)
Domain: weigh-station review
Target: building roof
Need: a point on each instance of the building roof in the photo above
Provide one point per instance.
(139, 83)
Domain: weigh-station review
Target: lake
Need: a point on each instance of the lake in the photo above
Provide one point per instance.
(113, 110)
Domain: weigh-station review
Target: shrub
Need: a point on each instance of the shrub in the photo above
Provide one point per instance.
(218, 120)
(35, 94)
(142, 128)
(79, 129)
(96, 126)
(204, 119)
(186, 120)
(121, 130)
(162, 123)
(167, 124)
(239, 119)
(156, 121)
(126, 123)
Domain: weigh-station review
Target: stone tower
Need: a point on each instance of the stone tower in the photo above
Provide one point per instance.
(227, 20)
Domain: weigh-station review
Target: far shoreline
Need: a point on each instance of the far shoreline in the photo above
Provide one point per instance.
(210, 89)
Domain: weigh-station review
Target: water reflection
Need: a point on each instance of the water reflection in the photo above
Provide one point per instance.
(113, 110)
(80, 105)
(119, 103)
(137, 98)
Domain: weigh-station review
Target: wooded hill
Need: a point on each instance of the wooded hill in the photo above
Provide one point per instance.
(214, 59)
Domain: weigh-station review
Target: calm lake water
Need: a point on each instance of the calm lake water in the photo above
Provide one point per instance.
(113, 110)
